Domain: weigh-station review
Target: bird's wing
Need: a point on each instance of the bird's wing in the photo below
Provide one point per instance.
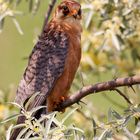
(45, 66)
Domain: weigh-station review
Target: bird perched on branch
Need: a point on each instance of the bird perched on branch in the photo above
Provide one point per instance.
(54, 60)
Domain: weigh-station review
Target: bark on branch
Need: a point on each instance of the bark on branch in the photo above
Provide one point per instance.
(99, 87)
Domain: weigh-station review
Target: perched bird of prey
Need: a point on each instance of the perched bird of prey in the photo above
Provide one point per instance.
(54, 60)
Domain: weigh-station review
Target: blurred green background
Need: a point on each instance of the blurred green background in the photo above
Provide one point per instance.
(16, 47)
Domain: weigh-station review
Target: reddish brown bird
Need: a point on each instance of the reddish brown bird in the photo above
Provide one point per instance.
(54, 60)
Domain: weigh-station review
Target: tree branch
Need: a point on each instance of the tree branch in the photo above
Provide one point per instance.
(50, 8)
(99, 87)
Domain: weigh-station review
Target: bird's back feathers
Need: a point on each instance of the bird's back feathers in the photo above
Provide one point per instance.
(45, 65)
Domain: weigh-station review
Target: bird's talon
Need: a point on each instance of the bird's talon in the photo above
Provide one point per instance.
(62, 99)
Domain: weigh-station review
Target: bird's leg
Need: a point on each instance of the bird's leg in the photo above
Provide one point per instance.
(55, 105)
(62, 98)
(58, 106)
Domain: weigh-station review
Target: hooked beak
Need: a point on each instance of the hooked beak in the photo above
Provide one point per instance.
(74, 13)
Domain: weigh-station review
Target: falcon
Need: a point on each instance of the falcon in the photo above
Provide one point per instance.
(54, 59)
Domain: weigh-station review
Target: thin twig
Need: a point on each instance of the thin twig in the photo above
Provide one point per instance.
(132, 88)
(51, 6)
(99, 87)
(120, 93)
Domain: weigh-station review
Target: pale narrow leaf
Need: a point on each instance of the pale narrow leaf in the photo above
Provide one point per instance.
(23, 131)
(10, 118)
(109, 115)
(19, 125)
(17, 26)
(48, 124)
(31, 99)
(116, 114)
(115, 41)
(68, 115)
(88, 19)
(137, 130)
(35, 138)
(28, 134)
(9, 132)
(36, 6)
(37, 108)
(76, 128)
(102, 135)
(17, 105)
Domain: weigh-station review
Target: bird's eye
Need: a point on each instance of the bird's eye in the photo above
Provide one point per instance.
(79, 12)
(65, 10)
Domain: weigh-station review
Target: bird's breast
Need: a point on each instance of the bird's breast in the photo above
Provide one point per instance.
(63, 84)
(72, 60)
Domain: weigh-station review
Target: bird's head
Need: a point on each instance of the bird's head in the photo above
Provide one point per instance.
(68, 10)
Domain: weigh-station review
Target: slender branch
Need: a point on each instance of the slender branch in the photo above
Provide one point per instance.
(127, 100)
(50, 8)
(99, 87)
(132, 88)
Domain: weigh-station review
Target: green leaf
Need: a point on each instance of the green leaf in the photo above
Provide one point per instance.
(75, 128)
(22, 132)
(36, 6)
(127, 119)
(36, 109)
(48, 123)
(35, 138)
(109, 115)
(17, 26)
(31, 99)
(28, 134)
(17, 105)
(116, 114)
(94, 127)
(115, 41)
(137, 130)
(19, 125)
(88, 19)
(106, 134)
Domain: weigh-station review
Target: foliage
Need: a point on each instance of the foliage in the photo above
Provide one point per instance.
(111, 33)
(110, 44)
(124, 126)
(8, 9)
(46, 127)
